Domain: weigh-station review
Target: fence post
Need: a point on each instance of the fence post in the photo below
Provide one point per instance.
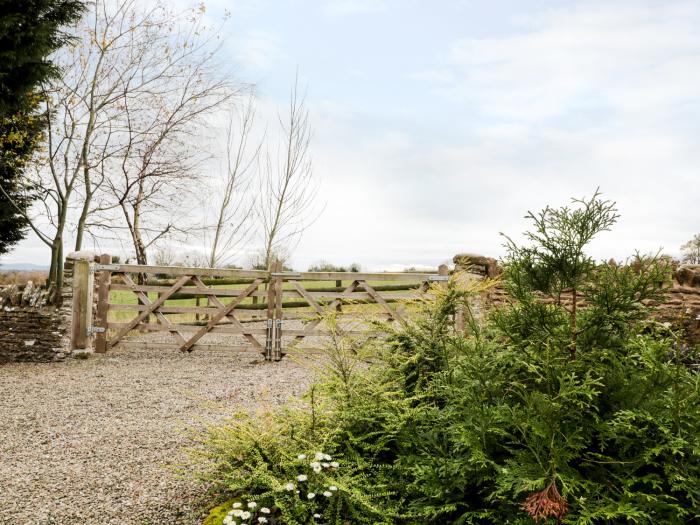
(104, 278)
(81, 311)
(339, 306)
(277, 354)
(270, 333)
(459, 313)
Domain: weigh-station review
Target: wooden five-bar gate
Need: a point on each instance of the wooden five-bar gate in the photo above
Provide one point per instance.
(258, 306)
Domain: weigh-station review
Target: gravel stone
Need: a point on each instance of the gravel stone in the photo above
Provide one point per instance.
(94, 441)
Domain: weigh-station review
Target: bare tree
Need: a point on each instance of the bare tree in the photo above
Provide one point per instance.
(691, 250)
(157, 172)
(232, 226)
(173, 84)
(137, 82)
(288, 188)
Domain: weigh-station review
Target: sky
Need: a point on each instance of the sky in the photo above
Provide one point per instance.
(439, 124)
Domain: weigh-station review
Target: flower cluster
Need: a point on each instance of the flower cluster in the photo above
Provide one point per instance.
(309, 490)
(246, 514)
(307, 496)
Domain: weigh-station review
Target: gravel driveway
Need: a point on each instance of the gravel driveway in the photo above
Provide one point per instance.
(90, 441)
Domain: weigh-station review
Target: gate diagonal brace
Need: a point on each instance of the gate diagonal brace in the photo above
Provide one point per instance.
(321, 311)
(213, 299)
(151, 308)
(224, 311)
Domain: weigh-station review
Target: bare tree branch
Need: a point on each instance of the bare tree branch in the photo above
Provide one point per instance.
(288, 189)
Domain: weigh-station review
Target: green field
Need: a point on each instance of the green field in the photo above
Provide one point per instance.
(252, 306)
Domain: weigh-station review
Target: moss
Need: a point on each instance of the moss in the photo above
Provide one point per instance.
(217, 514)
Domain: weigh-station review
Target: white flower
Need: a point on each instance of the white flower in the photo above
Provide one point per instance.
(327, 457)
(289, 486)
(302, 477)
(262, 520)
(252, 505)
(265, 510)
(320, 456)
(333, 488)
(228, 520)
(325, 465)
(314, 464)
(335, 464)
(238, 513)
(301, 456)
(328, 494)
(245, 515)
(237, 505)
(311, 495)
(317, 515)
(317, 469)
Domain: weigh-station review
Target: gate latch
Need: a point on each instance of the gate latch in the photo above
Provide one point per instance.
(110, 267)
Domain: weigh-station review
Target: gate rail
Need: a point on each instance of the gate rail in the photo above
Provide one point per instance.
(225, 304)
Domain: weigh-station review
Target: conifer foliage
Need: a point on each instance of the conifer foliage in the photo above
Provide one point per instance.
(568, 405)
(30, 31)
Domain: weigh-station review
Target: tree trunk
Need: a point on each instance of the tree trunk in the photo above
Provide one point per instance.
(573, 323)
(59, 268)
(53, 268)
(81, 226)
(55, 281)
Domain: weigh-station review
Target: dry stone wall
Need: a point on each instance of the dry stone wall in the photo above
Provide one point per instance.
(32, 334)
(30, 328)
(680, 308)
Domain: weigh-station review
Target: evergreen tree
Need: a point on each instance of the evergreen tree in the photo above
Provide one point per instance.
(544, 413)
(29, 32)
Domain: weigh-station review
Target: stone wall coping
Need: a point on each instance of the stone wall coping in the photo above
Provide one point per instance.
(83, 255)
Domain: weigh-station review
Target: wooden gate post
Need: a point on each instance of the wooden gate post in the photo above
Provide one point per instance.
(271, 301)
(104, 278)
(277, 353)
(81, 312)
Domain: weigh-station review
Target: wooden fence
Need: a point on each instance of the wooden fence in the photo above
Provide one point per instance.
(259, 306)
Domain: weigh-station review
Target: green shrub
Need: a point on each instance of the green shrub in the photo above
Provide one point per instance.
(567, 406)
(276, 459)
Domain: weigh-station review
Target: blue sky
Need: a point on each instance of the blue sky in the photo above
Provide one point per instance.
(438, 124)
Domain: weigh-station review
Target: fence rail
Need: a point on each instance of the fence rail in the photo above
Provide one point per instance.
(230, 295)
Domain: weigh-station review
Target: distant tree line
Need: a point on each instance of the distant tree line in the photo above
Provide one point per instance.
(325, 266)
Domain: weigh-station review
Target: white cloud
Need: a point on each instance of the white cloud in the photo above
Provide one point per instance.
(257, 51)
(600, 55)
(595, 94)
(353, 7)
